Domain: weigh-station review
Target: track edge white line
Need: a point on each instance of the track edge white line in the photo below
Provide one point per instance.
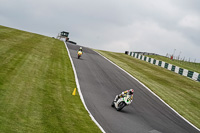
(80, 93)
(150, 91)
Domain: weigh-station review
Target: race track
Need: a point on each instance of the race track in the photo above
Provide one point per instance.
(100, 81)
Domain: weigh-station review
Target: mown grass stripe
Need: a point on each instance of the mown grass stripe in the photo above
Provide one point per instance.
(36, 82)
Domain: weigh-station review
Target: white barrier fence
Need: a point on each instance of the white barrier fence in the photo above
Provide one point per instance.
(193, 75)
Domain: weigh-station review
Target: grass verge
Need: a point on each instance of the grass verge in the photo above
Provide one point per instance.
(36, 85)
(179, 92)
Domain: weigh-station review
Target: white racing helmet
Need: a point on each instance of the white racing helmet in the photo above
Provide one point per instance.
(131, 91)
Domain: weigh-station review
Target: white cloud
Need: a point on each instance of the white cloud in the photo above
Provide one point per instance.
(191, 21)
(149, 36)
(117, 46)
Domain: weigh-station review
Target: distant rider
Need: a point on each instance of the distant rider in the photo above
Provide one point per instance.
(80, 49)
(124, 94)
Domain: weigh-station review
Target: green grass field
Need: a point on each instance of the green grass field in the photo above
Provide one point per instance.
(181, 93)
(36, 85)
(195, 67)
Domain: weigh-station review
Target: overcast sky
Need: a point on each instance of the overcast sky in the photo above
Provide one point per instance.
(158, 26)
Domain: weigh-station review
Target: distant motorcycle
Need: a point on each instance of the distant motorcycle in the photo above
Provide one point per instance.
(122, 102)
(79, 54)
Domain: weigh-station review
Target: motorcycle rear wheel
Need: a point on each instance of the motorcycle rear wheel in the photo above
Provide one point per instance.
(113, 105)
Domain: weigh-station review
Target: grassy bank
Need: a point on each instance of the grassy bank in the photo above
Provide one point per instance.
(36, 83)
(179, 92)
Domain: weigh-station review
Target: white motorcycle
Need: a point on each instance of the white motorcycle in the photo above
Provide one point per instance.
(122, 102)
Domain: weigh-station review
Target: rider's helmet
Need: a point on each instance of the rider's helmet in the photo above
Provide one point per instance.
(131, 91)
(80, 48)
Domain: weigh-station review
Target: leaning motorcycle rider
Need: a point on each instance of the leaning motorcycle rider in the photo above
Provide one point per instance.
(124, 94)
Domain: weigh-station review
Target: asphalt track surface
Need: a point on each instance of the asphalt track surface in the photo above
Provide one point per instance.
(100, 81)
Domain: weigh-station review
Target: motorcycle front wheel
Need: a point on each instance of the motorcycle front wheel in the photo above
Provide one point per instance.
(121, 105)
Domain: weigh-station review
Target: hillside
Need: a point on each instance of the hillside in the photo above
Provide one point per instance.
(36, 85)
